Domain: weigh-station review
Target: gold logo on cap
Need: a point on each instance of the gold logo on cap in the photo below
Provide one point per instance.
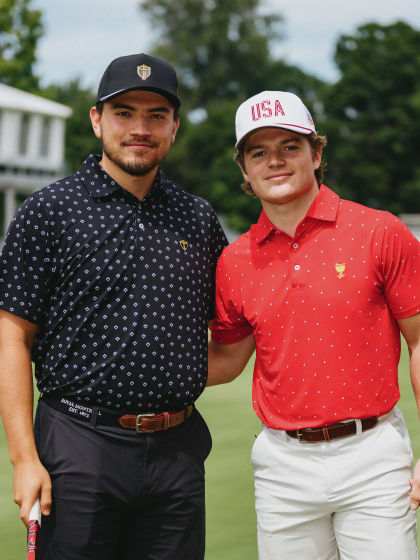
(340, 268)
(184, 244)
(144, 71)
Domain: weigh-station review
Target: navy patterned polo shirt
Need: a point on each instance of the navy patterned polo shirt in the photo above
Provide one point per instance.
(120, 289)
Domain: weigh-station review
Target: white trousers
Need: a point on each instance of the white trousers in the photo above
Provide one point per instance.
(344, 499)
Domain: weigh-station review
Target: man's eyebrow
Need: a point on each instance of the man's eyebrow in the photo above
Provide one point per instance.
(122, 106)
(283, 142)
(163, 109)
(130, 108)
(159, 109)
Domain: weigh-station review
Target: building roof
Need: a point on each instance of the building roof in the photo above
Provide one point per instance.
(16, 99)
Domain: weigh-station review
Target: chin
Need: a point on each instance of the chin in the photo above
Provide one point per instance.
(281, 192)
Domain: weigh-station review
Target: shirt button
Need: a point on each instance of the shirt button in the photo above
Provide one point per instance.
(297, 267)
(295, 245)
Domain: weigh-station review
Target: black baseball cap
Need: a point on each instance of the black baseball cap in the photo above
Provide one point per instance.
(139, 71)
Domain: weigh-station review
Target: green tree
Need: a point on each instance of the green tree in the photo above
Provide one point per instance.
(221, 51)
(80, 139)
(220, 48)
(373, 114)
(20, 29)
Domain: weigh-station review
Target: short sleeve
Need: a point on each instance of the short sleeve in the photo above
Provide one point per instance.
(218, 243)
(400, 268)
(229, 325)
(25, 263)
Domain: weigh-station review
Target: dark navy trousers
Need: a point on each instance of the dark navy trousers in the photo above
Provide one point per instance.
(122, 495)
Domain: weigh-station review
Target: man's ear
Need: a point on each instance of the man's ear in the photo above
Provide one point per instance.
(95, 118)
(318, 158)
(243, 170)
(175, 130)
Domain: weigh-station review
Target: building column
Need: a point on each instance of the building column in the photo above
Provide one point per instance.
(9, 206)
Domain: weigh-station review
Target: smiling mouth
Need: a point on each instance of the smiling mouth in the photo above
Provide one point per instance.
(279, 176)
(142, 145)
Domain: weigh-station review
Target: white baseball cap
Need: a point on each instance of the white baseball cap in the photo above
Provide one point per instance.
(280, 109)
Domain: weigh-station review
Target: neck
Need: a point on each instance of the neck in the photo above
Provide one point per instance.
(287, 216)
(137, 186)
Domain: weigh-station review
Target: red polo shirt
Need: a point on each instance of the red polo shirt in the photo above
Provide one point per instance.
(322, 308)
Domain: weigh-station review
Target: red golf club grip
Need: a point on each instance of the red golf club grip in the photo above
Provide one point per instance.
(34, 528)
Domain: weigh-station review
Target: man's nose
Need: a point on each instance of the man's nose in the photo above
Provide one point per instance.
(276, 158)
(141, 127)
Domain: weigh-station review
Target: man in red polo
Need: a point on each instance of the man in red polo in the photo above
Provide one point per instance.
(322, 288)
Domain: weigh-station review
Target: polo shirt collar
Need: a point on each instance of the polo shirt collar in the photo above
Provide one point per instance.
(100, 184)
(323, 208)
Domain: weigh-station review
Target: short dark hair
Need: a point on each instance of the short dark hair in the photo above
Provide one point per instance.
(315, 140)
(100, 108)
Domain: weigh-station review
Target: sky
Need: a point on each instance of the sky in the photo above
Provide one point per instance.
(83, 36)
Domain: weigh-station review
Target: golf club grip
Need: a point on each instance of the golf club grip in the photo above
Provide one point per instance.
(34, 527)
(35, 513)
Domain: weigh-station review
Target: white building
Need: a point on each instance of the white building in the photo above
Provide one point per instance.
(31, 147)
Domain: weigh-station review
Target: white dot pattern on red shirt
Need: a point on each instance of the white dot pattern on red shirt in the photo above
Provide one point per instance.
(323, 313)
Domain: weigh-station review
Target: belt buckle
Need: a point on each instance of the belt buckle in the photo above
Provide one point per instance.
(299, 437)
(139, 429)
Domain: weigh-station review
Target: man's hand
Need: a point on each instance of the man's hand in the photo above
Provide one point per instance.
(31, 481)
(415, 487)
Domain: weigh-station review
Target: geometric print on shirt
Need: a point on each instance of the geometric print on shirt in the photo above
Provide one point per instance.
(120, 289)
(322, 306)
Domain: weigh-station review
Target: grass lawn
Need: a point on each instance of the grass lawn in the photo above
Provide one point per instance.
(231, 533)
(231, 521)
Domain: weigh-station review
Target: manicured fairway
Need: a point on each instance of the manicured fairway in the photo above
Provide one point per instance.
(231, 531)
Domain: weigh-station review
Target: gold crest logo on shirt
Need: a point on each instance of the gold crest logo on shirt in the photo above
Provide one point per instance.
(340, 268)
(184, 244)
(144, 71)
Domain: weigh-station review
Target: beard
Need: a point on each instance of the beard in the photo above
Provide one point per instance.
(137, 166)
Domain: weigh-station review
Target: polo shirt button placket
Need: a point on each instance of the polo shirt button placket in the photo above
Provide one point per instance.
(296, 267)
(296, 277)
(141, 225)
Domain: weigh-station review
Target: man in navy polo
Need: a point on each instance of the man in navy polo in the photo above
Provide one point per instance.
(107, 282)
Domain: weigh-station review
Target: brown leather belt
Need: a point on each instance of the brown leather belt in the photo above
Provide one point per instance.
(142, 423)
(335, 431)
(154, 422)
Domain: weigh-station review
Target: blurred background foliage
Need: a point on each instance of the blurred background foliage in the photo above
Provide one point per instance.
(222, 50)
(20, 29)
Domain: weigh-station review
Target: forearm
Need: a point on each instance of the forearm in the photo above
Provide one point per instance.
(415, 374)
(218, 370)
(16, 400)
(31, 480)
(226, 362)
(415, 381)
(410, 328)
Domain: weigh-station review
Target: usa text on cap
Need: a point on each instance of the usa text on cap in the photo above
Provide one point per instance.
(280, 109)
